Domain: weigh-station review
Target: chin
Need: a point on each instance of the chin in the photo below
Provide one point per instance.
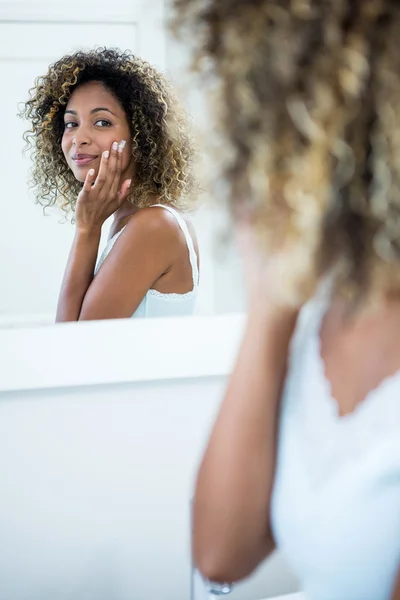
(80, 173)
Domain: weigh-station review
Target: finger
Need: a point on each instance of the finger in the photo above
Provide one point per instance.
(111, 169)
(88, 183)
(124, 191)
(103, 170)
(117, 177)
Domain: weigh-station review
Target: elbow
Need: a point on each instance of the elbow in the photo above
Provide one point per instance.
(221, 568)
(218, 572)
(232, 561)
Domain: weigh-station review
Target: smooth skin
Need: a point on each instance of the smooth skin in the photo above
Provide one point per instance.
(231, 511)
(150, 253)
(396, 594)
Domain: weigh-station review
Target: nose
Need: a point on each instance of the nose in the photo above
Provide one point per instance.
(81, 137)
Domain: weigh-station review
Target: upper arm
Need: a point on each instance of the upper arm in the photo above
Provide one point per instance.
(142, 253)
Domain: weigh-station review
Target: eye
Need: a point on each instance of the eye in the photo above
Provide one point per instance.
(103, 123)
(69, 125)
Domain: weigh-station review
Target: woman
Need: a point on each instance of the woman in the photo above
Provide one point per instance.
(305, 452)
(109, 138)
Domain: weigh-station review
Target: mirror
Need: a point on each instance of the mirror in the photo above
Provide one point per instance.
(34, 247)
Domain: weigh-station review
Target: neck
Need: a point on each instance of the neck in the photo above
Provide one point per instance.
(125, 210)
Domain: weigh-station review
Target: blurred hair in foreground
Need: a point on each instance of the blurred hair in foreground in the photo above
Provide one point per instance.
(309, 97)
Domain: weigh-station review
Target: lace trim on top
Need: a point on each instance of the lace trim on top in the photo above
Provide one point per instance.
(192, 258)
(328, 440)
(316, 355)
(307, 357)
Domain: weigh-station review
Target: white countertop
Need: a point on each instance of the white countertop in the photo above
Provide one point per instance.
(297, 596)
(117, 351)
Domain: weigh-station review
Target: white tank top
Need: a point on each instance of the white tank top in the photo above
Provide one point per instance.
(336, 501)
(157, 304)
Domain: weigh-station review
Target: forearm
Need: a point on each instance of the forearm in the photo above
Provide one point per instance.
(396, 592)
(232, 500)
(78, 274)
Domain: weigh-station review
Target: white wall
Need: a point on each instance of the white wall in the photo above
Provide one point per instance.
(223, 286)
(102, 426)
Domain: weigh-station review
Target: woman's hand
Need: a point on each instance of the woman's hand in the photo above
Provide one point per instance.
(263, 274)
(101, 197)
(276, 281)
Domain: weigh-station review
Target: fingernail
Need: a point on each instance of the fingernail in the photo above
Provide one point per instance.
(115, 145)
(121, 146)
(106, 154)
(91, 172)
(129, 183)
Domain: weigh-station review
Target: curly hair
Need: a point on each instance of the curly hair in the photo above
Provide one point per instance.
(161, 143)
(309, 97)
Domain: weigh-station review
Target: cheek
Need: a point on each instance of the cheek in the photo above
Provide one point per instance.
(65, 145)
(127, 155)
(105, 142)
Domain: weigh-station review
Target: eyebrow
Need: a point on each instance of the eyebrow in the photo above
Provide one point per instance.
(95, 110)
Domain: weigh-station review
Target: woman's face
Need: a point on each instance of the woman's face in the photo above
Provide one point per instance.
(93, 120)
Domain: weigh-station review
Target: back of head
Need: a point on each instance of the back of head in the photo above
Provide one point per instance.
(310, 108)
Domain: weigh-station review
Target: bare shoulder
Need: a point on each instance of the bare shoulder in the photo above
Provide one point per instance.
(159, 221)
(155, 229)
(152, 219)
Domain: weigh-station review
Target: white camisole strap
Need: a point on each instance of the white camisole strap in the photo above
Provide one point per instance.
(192, 252)
(189, 242)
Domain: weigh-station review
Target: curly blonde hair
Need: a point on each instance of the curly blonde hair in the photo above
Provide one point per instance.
(161, 143)
(310, 112)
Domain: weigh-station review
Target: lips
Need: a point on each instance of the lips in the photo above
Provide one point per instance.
(83, 159)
